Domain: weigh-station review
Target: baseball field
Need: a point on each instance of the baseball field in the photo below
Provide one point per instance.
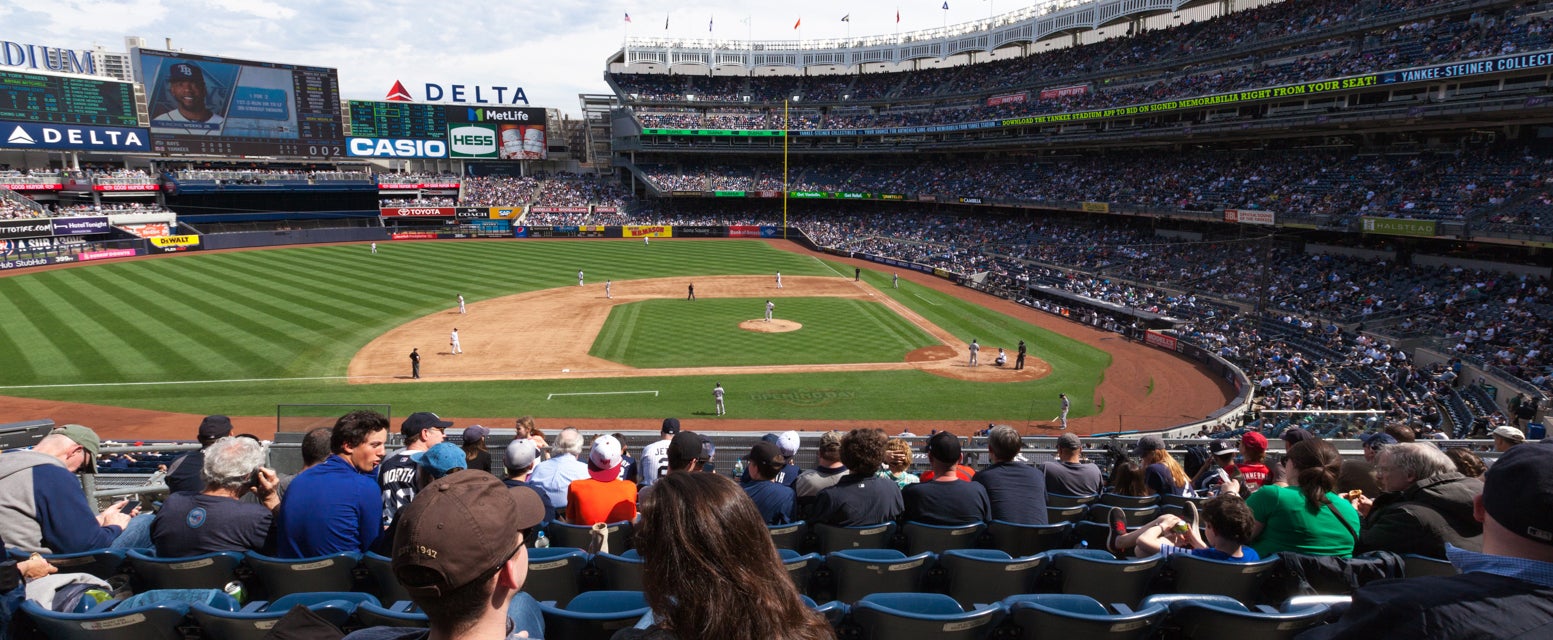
(241, 332)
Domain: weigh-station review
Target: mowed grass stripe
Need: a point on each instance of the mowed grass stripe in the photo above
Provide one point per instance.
(104, 291)
(265, 298)
(19, 360)
(615, 336)
(402, 286)
(89, 333)
(891, 323)
(226, 310)
(251, 304)
(44, 336)
(309, 291)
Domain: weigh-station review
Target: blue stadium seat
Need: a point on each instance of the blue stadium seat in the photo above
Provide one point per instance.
(922, 537)
(833, 612)
(1239, 580)
(1203, 617)
(1021, 540)
(859, 572)
(1126, 502)
(619, 572)
(209, 571)
(595, 615)
(788, 536)
(1106, 579)
(555, 574)
(1059, 515)
(254, 623)
(1135, 517)
(801, 567)
(921, 616)
(380, 579)
(875, 536)
(1059, 615)
(281, 576)
(1065, 500)
(400, 614)
(158, 621)
(103, 563)
(579, 536)
(980, 576)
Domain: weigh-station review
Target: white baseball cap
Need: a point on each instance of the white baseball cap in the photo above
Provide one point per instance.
(788, 443)
(606, 453)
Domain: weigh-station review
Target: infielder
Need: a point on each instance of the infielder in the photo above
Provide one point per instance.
(453, 342)
(717, 398)
(415, 363)
(461, 309)
(579, 277)
(769, 307)
(607, 293)
(1019, 360)
(374, 248)
(895, 280)
(1065, 404)
(975, 348)
(779, 279)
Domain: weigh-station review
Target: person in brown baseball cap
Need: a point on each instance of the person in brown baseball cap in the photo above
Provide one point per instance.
(459, 551)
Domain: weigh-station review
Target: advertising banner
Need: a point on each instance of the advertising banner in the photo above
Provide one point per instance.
(173, 244)
(543, 231)
(504, 213)
(32, 186)
(79, 226)
(395, 148)
(590, 231)
(106, 254)
(17, 245)
(1247, 216)
(413, 235)
(1160, 340)
(519, 231)
(26, 228)
(768, 194)
(770, 232)
(125, 187)
(805, 194)
(411, 186)
(472, 212)
(1096, 207)
(472, 141)
(417, 212)
(655, 231)
(1063, 92)
(697, 231)
(1007, 98)
(604, 210)
(558, 209)
(686, 194)
(1399, 226)
(743, 231)
(727, 194)
(40, 135)
(23, 263)
(148, 230)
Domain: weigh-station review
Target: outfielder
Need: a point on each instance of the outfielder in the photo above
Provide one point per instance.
(895, 280)
(779, 279)
(974, 349)
(579, 277)
(1065, 404)
(461, 309)
(374, 248)
(607, 293)
(769, 307)
(717, 398)
(453, 342)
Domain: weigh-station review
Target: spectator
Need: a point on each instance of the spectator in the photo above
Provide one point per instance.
(826, 472)
(773, 499)
(1467, 462)
(1305, 516)
(1505, 437)
(655, 456)
(1252, 468)
(520, 458)
(216, 519)
(563, 467)
(526, 428)
(468, 588)
(476, 455)
(336, 505)
(688, 452)
(711, 571)
(399, 476)
(859, 497)
(1502, 592)
(1163, 475)
(1069, 474)
(603, 496)
(42, 505)
(14, 576)
(1211, 478)
(1127, 479)
(1426, 506)
(1228, 521)
(785, 442)
(185, 475)
(1017, 490)
(946, 500)
(897, 463)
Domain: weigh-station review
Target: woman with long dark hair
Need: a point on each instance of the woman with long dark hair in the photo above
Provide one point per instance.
(711, 571)
(1305, 516)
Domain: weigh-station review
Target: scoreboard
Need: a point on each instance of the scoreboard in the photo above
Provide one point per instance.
(401, 120)
(32, 97)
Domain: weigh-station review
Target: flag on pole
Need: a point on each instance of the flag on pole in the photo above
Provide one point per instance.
(799, 22)
(665, 23)
(897, 16)
(709, 25)
(628, 17)
(846, 18)
(946, 6)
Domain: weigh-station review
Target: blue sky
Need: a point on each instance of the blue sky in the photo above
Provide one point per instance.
(554, 50)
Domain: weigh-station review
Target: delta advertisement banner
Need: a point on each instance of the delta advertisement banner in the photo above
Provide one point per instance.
(1245, 216)
(504, 213)
(1399, 227)
(655, 231)
(175, 244)
(26, 228)
(80, 226)
(417, 212)
(743, 231)
(75, 137)
(1160, 340)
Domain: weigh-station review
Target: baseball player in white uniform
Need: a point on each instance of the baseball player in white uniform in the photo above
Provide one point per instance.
(975, 348)
(607, 293)
(453, 341)
(1065, 404)
(579, 277)
(374, 248)
(769, 307)
(461, 308)
(895, 279)
(779, 279)
(717, 398)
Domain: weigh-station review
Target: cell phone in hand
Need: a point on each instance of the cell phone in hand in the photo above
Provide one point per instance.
(130, 507)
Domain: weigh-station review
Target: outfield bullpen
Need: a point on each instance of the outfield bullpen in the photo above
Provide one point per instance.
(239, 332)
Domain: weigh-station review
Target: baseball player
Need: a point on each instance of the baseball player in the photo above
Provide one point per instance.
(374, 248)
(461, 309)
(895, 280)
(453, 341)
(579, 277)
(769, 307)
(607, 293)
(1065, 404)
(415, 364)
(974, 349)
(1002, 358)
(1019, 360)
(646, 241)
(692, 295)
(717, 398)
(779, 279)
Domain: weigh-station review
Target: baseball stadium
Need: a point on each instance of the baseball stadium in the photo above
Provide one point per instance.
(1231, 247)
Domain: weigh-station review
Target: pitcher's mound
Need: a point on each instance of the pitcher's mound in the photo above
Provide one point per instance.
(775, 326)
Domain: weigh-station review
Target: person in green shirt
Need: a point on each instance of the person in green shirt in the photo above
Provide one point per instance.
(1305, 516)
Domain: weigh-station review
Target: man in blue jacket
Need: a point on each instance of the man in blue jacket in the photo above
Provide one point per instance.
(336, 505)
(42, 507)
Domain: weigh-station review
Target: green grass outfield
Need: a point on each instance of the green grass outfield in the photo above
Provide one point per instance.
(240, 332)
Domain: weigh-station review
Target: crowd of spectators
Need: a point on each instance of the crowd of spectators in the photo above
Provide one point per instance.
(422, 201)
(260, 175)
(498, 191)
(411, 177)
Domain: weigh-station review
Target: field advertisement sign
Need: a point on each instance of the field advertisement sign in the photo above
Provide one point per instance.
(653, 231)
(1400, 227)
(1156, 339)
(472, 141)
(175, 244)
(417, 212)
(26, 228)
(80, 226)
(1247, 216)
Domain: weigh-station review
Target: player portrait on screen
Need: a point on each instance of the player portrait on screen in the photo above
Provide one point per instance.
(191, 114)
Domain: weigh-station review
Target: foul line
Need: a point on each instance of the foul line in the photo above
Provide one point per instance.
(926, 300)
(599, 393)
(827, 266)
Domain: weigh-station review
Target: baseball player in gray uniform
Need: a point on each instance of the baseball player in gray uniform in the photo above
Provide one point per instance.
(779, 279)
(975, 348)
(579, 277)
(717, 398)
(607, 292)
(769, 307)
(1065, 405)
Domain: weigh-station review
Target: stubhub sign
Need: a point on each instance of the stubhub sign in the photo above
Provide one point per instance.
(395, 148)
(36, 135)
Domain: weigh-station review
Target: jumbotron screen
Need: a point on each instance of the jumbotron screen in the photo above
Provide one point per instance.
(205, 105)
(34, 97)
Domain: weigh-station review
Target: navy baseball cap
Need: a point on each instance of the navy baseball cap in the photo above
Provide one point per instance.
(184, 71)
(421, 421)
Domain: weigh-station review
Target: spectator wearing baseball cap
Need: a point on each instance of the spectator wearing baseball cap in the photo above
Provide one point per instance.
(519, 459)
(1211, 478)
(824, 475)
(654, 460)
(1506, 437)
(787, 446)
(961, 472)
(398, 477)
(860, 497)
(946, 500)
(476, 456)
(1252, 467)
(1069, 474)
(773, 499)
(460, 553)
(687, 451)
(183, 475)
(42, 508)
(1502, 592)
(1162, 474)
(603, 496)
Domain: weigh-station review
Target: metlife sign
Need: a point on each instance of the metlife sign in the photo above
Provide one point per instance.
(472, 141)
(395, 148)
(512, 115)
(35, 135)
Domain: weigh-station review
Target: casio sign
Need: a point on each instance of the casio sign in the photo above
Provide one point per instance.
(396, 148)
(473, 141)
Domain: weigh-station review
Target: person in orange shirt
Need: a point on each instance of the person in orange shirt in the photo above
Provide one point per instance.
(603, 496)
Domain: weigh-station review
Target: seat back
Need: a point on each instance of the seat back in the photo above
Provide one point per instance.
(922, 537)
(788, 536)
(1107, 581)
(380, 579)
(373, 615)
(555, 574)
(1209, 620)
(209, 571)
(595, 615)
(336, 608)
(1034, 618)
(920, 616)
(859, 573)
(980, 576)
(1135, 517)
(1239, 580)
(579, 536)
(619, 573)
(801, 568)
(1093, 533)
(875, 536)
(1127, 502)
(159, 621)
(1180, 502)
(103, 563)
(1019, 540)
(1065, 500)
(1059, 515)
(282, 576)
(1415, 565)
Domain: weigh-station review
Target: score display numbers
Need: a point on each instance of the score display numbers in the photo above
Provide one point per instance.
(398, 120)
(33, 97)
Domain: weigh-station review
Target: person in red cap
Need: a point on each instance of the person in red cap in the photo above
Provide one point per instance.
(1252, 468)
